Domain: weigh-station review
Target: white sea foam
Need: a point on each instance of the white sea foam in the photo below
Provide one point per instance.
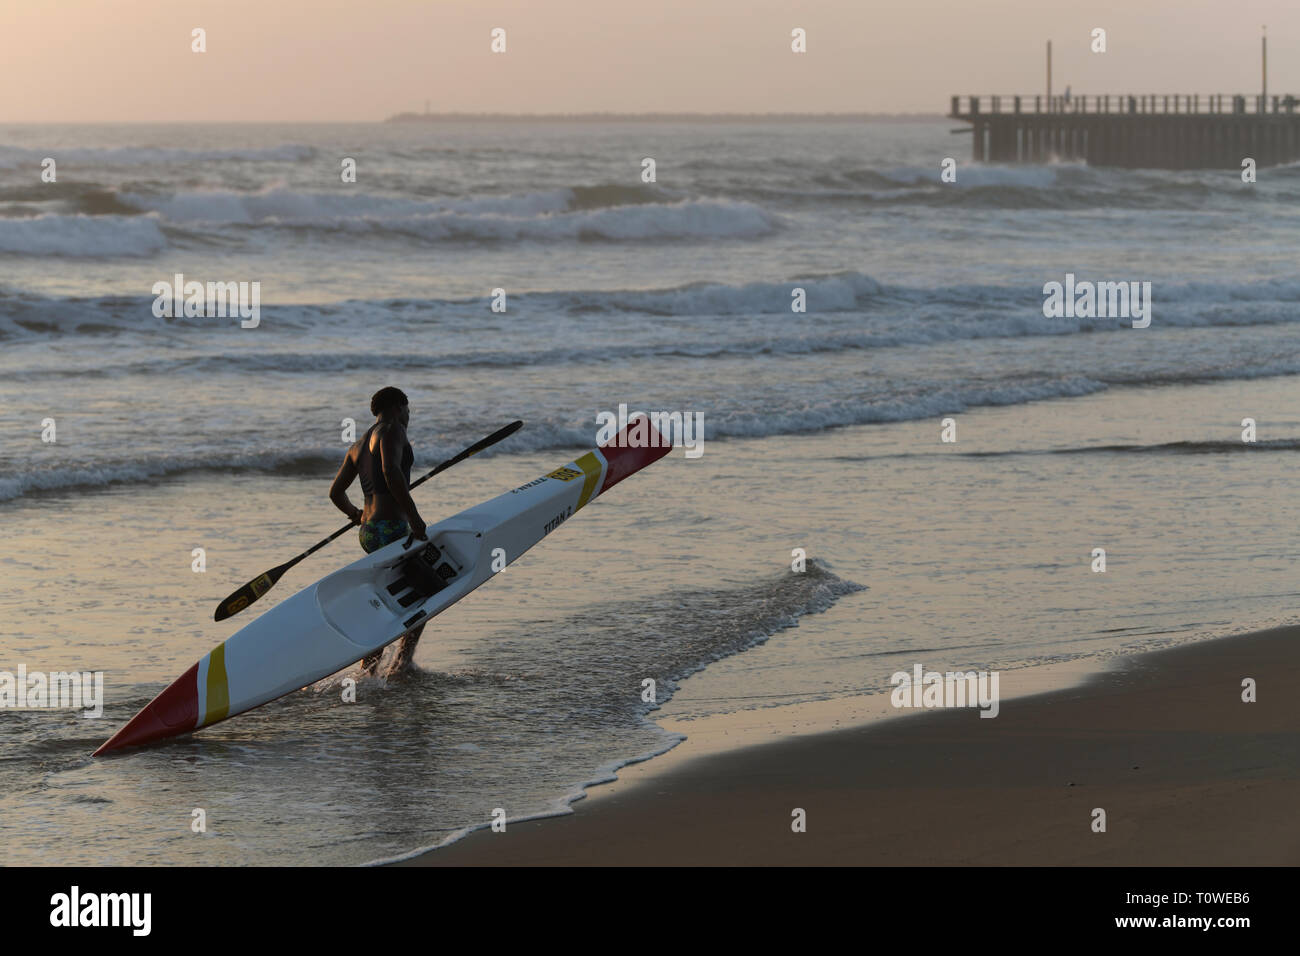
(552, 214)
(975, 175)
(290, 456)
(76, 237)
(279, 204)
(892, 314)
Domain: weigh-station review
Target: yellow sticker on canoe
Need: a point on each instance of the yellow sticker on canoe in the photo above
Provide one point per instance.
(565, 474)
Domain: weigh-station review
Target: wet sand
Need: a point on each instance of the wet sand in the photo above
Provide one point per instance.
(1186, 773)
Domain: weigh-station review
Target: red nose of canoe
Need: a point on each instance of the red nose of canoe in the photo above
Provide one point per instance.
(623, 460)
(174, 711)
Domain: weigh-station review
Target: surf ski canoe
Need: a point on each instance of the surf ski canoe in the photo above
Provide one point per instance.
(354, 611)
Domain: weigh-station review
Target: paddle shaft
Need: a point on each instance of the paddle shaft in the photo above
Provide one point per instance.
(254, 589)
(471, 450)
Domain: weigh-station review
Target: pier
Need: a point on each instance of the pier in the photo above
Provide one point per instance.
(1152, 131)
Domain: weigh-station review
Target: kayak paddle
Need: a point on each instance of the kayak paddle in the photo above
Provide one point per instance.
(255, 588)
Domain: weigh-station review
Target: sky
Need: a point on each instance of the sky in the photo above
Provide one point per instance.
(67, 61)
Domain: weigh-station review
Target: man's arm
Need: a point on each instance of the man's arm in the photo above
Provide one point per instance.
(390, 458)
(339, 490)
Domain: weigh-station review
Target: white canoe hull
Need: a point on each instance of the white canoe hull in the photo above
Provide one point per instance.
(359, 609)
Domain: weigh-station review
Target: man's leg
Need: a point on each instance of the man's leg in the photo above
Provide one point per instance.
(406, 649)
(374, 535)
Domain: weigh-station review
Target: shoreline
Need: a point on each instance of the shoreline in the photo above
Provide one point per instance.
(700, 738)
(599, 117)
(1186, 772)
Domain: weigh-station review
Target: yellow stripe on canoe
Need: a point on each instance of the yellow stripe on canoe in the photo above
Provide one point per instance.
(590, 466)
(218, 703)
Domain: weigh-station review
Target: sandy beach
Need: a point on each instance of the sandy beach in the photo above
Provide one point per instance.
(1187, 773)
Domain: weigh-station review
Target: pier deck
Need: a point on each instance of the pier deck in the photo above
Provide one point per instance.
(1153, 131)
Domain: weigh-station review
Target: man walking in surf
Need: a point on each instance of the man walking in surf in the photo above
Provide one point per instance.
(382, 459)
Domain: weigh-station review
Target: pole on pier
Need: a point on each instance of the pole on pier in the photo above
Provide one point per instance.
(1263, 65)
(1049, 74)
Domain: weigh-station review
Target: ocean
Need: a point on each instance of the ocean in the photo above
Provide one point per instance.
(823, 432)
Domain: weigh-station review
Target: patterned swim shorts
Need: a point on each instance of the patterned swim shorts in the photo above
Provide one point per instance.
(375, 534)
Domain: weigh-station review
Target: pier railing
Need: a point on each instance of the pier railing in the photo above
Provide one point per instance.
(1184, 104)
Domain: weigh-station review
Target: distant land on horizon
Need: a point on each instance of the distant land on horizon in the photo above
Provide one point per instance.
(659, 117)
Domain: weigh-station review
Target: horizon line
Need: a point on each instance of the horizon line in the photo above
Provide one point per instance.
(461, 117)
(658, 114)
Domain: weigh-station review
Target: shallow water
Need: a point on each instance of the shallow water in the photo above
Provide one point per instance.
(822, 433)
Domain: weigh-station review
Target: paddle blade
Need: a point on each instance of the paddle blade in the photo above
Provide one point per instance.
(250, 592)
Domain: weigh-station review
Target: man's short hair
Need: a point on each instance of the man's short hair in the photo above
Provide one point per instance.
(386, 398)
